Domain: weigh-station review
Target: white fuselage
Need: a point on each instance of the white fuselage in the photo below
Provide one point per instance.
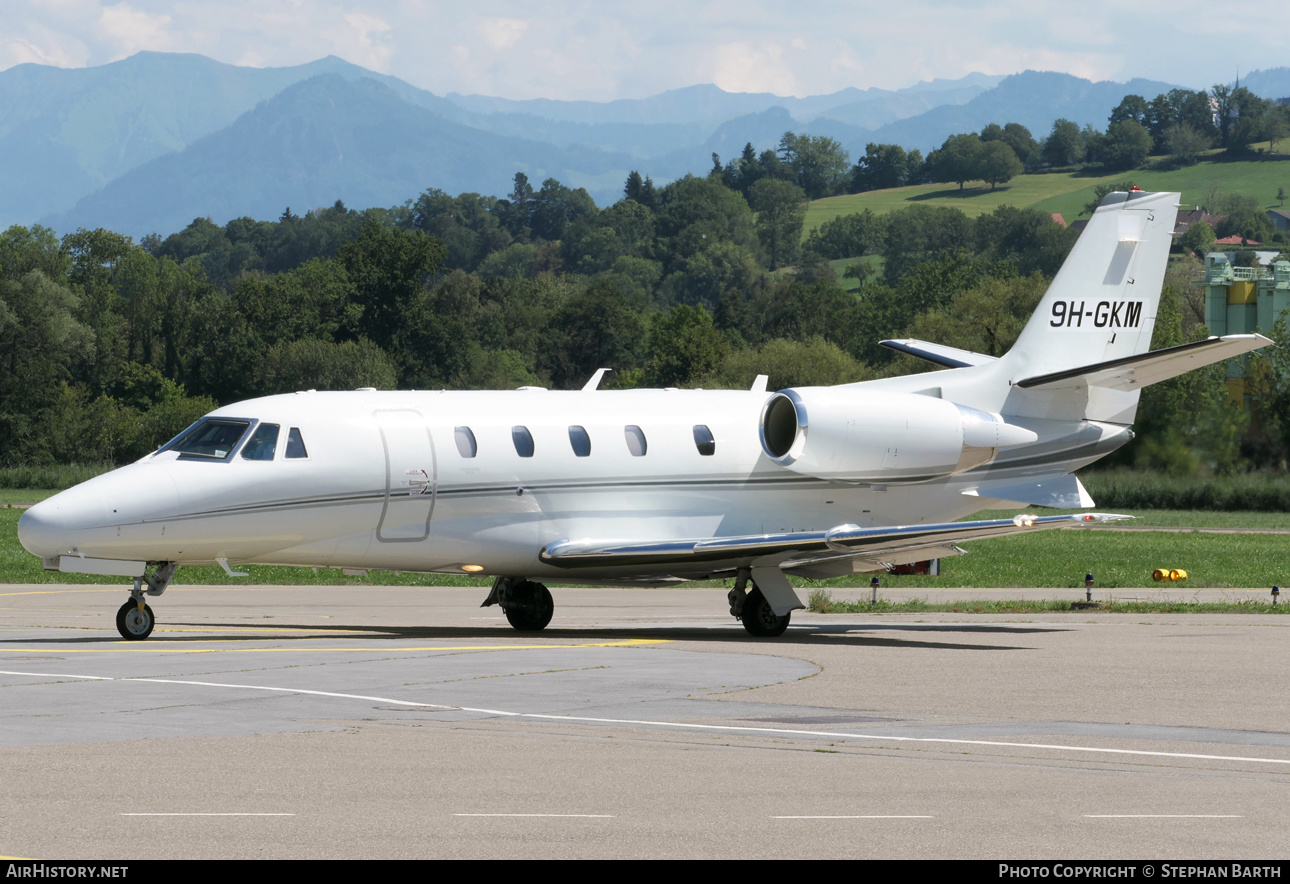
(385, 484)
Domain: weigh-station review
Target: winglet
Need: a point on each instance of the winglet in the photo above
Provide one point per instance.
(595, 380)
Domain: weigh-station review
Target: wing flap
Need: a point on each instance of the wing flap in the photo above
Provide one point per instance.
(842, 540)
(1136, 372)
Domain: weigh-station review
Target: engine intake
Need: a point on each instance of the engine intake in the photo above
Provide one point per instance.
(854, 435)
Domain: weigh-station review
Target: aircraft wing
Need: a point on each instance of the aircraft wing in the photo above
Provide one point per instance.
(843, 541)
(1135, 372)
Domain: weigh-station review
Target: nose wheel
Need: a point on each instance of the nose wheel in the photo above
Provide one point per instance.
(529, 606)
(134, 620)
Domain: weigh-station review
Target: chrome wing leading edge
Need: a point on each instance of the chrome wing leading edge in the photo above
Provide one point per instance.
(803, 547)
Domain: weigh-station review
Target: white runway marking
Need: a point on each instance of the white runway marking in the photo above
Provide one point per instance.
(587, 816)
(678, 725)
(207, 814)
(864, 817)
(1163, 816)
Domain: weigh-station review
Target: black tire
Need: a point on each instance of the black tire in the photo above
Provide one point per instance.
(760, 619)
(529, 606)
(134, 625)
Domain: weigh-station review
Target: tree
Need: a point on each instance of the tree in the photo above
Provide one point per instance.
(1133, 107)
(698, 213)
(1185, 143)
(1018, 137)
(781, 211)
(848, 236)
(882, 166)
(683, 344)
(1064, 145)
(1197, 238)
(957, 160)
(1127, 146)
(40, 340)
(998, 164)
(388, 269)
(819, 164)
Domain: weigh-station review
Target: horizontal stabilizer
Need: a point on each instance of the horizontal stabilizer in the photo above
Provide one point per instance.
(1136, 372)
(803, 547)
(937, 354)
(1064, 492)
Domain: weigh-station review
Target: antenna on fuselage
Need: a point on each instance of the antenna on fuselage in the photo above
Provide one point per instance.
(759, 384)
(595, 380)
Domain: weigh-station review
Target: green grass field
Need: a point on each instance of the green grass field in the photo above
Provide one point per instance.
(1067, 192)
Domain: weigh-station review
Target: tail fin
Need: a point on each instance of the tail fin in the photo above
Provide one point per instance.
(1101, 308)
(1102, 304)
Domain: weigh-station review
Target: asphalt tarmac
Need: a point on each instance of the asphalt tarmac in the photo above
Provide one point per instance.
(321, 722)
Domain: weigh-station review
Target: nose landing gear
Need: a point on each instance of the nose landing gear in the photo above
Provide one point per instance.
(134, 619)
(527, 604)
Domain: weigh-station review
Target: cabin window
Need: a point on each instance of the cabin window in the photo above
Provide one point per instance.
(212, 438)
(263, 444)
(465, 440)
(636, 443)
(523, 440)
(703, 440)
(580, 441)
(295, 444)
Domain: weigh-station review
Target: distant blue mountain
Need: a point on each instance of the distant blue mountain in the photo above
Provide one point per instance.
(1271, 84)
(1033, 98)
(324, 139)
(67, 132)
(148, 143)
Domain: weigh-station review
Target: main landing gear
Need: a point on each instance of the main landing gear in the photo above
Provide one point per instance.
(758, 617)
(528, 605)
(134, 619)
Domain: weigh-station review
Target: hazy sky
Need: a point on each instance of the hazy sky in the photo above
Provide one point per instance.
(601, 50)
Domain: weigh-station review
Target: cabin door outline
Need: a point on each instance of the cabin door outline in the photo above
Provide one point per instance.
(411, 476)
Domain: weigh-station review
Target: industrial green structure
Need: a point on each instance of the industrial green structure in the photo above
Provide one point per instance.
(1241, 300)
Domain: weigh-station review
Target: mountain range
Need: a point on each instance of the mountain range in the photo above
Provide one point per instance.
(148, 143)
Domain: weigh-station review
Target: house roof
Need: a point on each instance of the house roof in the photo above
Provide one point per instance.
(1235, 240)
(1191, 216)
(1057, 216)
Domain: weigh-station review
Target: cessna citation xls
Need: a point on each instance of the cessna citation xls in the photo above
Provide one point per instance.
(642, 487)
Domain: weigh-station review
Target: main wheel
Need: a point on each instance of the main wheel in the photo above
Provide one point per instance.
(760, 618)
(529, 606)
(133, 623)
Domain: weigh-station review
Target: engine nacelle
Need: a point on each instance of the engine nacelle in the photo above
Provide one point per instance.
(856, 435)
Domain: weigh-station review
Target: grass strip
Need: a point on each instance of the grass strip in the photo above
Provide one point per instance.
(821, 602)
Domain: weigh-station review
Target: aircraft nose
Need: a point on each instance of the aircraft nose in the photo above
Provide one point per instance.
(42, 530)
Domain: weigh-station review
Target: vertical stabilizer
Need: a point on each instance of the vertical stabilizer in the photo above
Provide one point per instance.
(1102, 304)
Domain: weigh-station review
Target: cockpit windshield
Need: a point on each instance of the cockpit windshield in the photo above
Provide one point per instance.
(214, 438)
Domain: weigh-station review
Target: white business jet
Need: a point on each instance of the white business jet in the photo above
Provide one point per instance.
(646, 487)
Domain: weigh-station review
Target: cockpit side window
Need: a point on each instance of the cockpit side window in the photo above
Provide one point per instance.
(263, 444)
(210, 438)
(295, 444)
